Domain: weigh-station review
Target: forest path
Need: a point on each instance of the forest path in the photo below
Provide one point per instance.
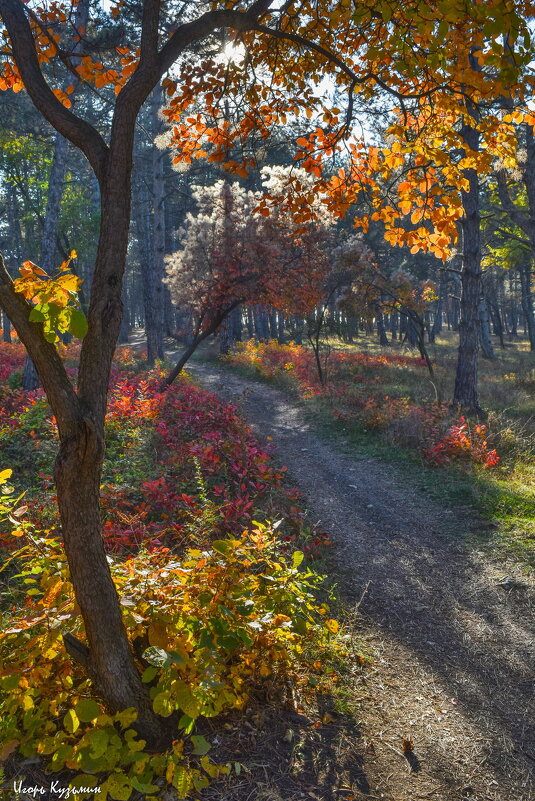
(454, 643)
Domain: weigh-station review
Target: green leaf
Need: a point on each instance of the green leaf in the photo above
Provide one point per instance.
(223, 546)
(148, 674)
(36, 316)
(87, 710)
(201, 745)
(185, 700)
(133, 744)
(162, 705)
(186, 724)
(181, 781)
(299, 624)
(143, 787)
(297, 558)
(126, 717)
(60, 756)
(71, 722)
(84, 780)
(118, 786)
(99, 741)
(78, 324)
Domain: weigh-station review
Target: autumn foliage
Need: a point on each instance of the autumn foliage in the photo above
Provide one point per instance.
(205, 588)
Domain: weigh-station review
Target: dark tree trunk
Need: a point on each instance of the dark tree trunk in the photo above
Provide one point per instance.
(249, 322)
(527, 303)
(465, 393)
(487, 348)
(108, 658)
(6, 328)
(436, 328)
(56, 181)
(497, 322)
(146, 262)
(381, 330)
(280, 328)
(158, 227)
(261, 324)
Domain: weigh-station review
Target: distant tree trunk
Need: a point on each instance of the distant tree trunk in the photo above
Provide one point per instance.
(436, 328)
(124, 332)
(487, 348)
(273, 326)
(465, 393)
(261, 324)
(6, 328)
(381, 330)
(225, 338)
(412, 332)
(527, 303)
(249, 322)
(141, 206)
(297, 329)
(158, 228)
(497, 323)
(394, 325)
(56, 182)
(280, 328)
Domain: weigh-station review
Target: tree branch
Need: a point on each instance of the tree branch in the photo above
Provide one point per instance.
(73, 128)
(149, 33)
(508, 205)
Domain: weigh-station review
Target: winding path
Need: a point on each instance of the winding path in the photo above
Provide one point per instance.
(454, 643)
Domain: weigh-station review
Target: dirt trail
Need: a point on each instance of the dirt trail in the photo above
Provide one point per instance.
(454, 642)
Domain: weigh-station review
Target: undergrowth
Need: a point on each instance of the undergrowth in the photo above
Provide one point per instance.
(215, 599)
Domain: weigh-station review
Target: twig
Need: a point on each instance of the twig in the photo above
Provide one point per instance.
(365, 590)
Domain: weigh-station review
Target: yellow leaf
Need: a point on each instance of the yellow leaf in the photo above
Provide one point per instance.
(71, 283)
(4, 475)
(332, 625)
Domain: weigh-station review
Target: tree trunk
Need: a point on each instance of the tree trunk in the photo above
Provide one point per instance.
(484, 322)
(437, 322)
(527, 303)
(47, 262)
(6, 328)
(465, 394)
(381, 330)
(108, 658)
(158, 226)
(145, 258)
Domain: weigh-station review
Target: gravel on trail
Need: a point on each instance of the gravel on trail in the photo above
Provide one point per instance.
(452, 628)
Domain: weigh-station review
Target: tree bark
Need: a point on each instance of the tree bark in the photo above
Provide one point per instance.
(487, 348)
(465, 394)
(158, 227)
(525, 273)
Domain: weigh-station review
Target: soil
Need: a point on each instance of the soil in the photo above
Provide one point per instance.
(451, 629)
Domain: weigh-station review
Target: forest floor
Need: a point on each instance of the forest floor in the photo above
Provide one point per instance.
(450, 626)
